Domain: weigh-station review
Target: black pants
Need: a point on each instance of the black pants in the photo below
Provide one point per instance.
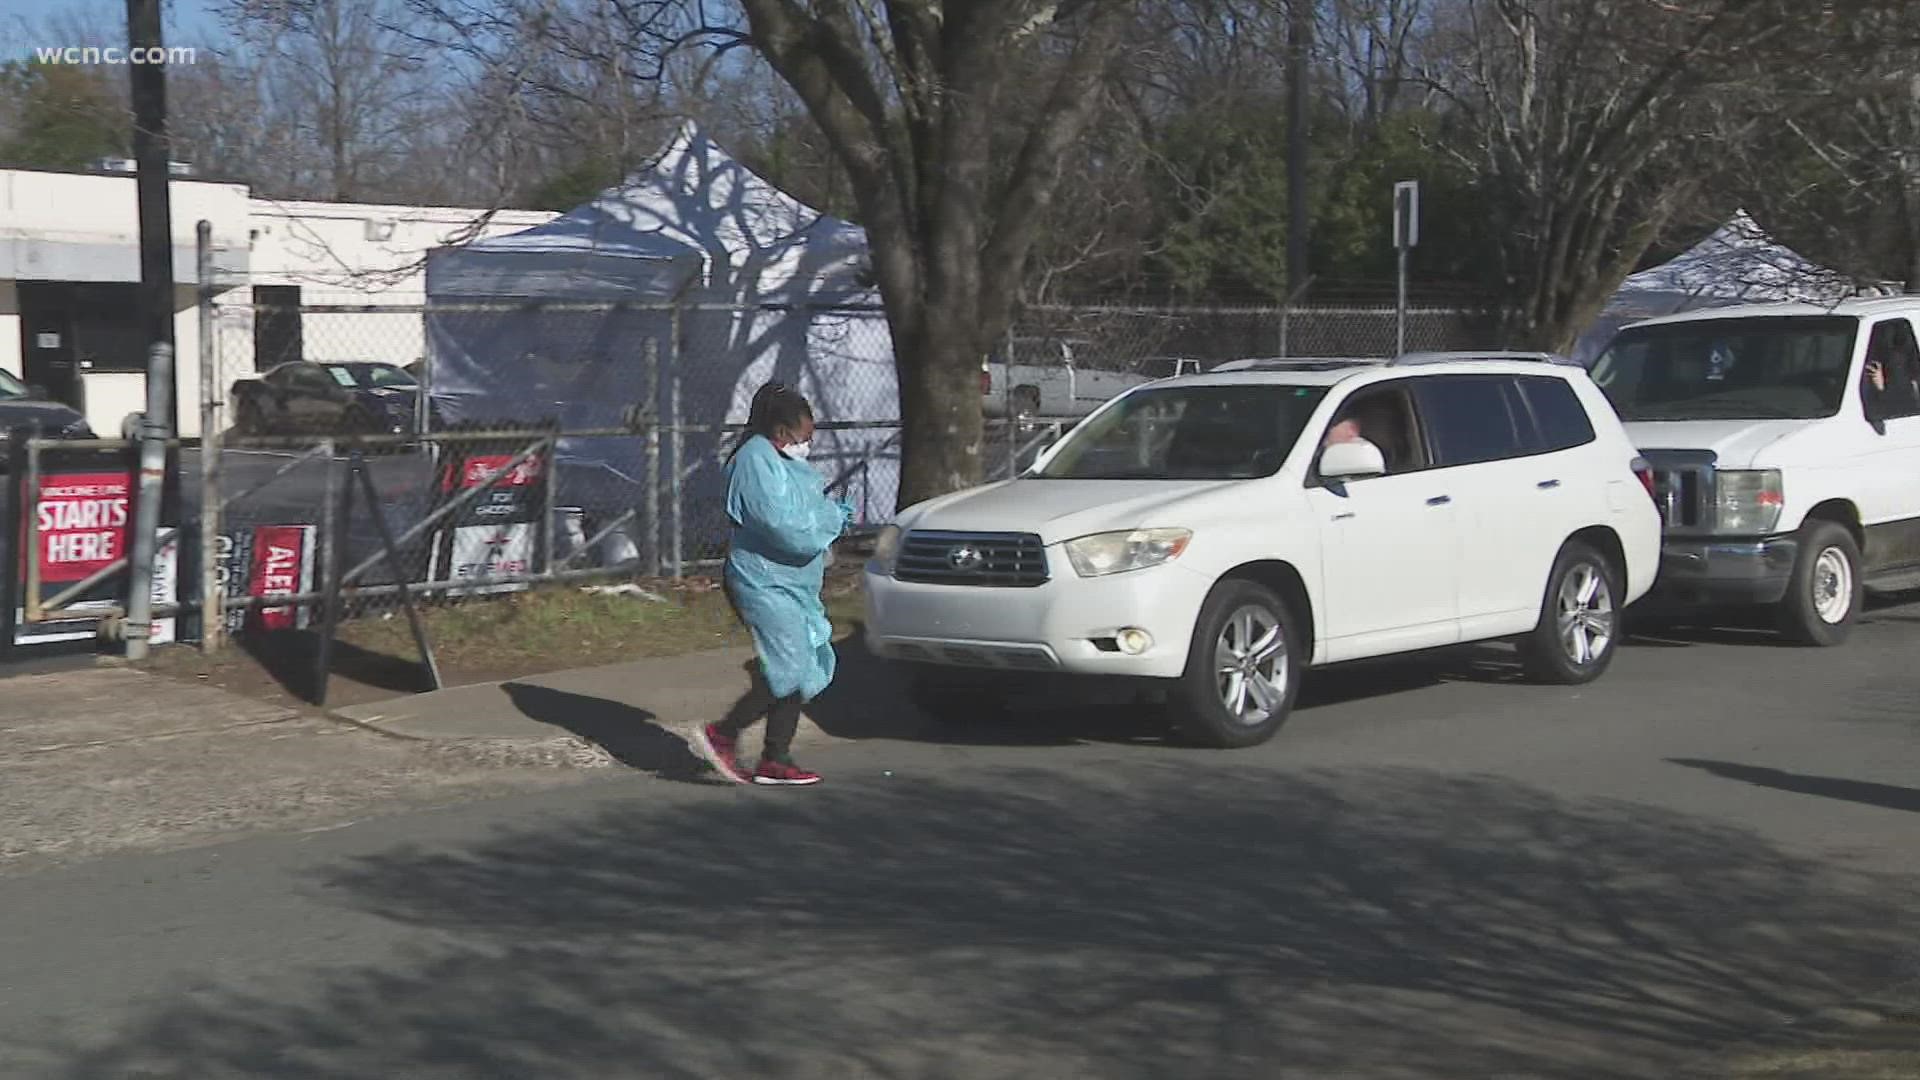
(782, 713)
(783, 717)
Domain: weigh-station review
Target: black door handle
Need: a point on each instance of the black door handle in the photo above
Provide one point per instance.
(1547, 485)
(1440, 500)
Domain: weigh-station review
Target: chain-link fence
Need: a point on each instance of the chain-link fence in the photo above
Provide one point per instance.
(380, 454)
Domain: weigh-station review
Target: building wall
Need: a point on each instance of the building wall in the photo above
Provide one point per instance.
(357, 254)
(80, 227)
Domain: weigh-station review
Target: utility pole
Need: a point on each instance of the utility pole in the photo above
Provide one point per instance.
(1299, 59)
(153, 157)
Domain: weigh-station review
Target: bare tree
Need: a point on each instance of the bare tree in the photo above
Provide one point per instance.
(1835, 166)
(911, 94)
(1579, 118)
(336, 94)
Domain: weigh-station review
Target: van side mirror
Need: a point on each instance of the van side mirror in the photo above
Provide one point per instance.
(1352, 461)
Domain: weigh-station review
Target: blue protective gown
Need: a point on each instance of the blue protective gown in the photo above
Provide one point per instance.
(782, 528)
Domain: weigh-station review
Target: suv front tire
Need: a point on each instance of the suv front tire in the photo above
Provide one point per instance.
(1243, 670)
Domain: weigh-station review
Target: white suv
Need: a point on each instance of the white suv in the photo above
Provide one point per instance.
(1786, 476)
(1222, 532)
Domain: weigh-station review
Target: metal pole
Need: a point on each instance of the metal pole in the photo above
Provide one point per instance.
(153, 475)
(650, 497)
(1006, 397)
(1299, 59)
(676, 450)
(1400, 307)
(549, 480)
(212, 618)
(332, 534)
(153, 155)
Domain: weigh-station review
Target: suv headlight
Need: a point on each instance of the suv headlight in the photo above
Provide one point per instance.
(1748, 501)
(886, 550)
(1119, 552)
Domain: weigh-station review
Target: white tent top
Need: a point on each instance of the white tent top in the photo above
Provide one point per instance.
(695, 215)
(1738, 263)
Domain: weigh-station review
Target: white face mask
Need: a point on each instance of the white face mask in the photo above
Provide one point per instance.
(797, 451)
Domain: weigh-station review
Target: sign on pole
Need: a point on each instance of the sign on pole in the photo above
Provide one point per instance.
(1406, 236)
(1406, 214)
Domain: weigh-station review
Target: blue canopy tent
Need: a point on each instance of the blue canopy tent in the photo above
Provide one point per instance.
(685, 287)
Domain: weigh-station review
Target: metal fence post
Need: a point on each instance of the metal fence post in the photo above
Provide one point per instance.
(676, 454)
(650, 496)
(1006, 396)
(153, 475)
(332, 536)
(212, 596)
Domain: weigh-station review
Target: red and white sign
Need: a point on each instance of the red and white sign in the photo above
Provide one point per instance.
(81, 524)
(482, 466)
(282, 566)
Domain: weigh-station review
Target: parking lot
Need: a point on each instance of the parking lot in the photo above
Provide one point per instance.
(1432, 871)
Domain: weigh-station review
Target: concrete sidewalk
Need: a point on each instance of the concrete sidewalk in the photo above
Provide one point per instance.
(638, 713)
(99, 757)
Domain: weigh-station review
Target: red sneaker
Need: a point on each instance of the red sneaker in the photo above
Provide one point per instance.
(718, 750)
(783, 774)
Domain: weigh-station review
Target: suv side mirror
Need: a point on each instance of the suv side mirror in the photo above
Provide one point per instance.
(36, 392)
(1352, 461)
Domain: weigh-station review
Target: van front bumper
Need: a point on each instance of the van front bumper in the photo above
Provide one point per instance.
(1715, 573)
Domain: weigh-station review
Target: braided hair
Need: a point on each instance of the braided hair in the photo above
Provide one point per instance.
(776, 408)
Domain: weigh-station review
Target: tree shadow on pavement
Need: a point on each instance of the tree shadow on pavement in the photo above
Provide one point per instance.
(869, 698)
(1126, 923)
(1885, 796)
(632, 736)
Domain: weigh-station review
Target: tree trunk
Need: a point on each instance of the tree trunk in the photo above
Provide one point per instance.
(938, 358)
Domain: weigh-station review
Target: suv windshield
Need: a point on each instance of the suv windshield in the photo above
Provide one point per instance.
(12, 388)
(1187, 433)
(1765, 368)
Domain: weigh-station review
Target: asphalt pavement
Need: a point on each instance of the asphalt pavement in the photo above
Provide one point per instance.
(1434, 871)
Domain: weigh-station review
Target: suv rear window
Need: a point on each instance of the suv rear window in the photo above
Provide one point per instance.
(1562, 420)
(1474, 418)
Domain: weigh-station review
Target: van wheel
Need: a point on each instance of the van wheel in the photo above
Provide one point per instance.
(1826, 590)
(1243, 671)
(1580, 623)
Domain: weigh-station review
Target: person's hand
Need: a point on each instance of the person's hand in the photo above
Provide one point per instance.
(1877, 375)
(847, 512)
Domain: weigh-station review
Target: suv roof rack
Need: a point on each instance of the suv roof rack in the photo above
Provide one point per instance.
(1435, 357)
(1298, 363)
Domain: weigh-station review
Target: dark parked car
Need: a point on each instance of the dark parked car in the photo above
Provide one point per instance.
(22, 406)
(302, 397)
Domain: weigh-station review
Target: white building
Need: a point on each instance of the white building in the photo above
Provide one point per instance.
(70, 268)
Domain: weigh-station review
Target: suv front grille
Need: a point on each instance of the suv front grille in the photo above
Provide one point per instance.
(1683, 488)
(1007, 560)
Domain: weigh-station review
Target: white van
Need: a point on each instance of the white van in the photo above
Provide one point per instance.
(1787, 477)
(1221, 533)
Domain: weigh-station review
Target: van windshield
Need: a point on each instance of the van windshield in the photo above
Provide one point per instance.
(1187, 433)
(1767, 368)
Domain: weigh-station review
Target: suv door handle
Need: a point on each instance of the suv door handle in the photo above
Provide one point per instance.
(1547, 485)
(1440, 500)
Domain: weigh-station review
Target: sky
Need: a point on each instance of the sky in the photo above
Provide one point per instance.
(189, 22)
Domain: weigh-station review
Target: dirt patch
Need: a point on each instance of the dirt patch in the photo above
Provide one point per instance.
(490, 639)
